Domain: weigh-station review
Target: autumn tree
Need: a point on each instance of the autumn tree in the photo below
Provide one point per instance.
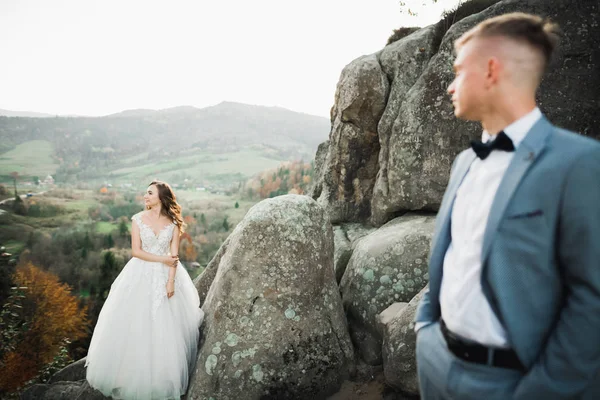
(187, 249)
(37, 320)
(291, 177)
(188, 252)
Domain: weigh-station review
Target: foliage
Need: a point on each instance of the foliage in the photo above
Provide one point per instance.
(226, 224)
(37, 318)
(123, 227)
(3, 190)
(64, 194)
(19, 206)
(40, 207)
(187, 248)
(7, 268)
(110, 208)
(60, 360)
(76, 256)
(401, 33)
(289, 178)
(15, 175)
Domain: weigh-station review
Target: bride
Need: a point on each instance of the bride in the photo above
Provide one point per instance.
(145, 342)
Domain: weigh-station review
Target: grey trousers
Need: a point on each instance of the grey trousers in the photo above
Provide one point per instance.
(443, 376)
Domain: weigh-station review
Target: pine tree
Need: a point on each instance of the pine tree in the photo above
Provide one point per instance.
(123, 227)
(226, 225)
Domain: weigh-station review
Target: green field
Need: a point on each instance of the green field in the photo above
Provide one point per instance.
(105, 227)
(200, 166)
(13, 246)
(32, 158)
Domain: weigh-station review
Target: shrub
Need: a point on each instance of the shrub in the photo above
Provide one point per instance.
(463, 10)
(401, 33)
(19, 206)
(44, 208)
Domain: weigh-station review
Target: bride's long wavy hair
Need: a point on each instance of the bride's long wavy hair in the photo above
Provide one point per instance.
(170, 208)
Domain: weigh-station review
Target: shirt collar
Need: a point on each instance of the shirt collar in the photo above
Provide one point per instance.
(518, 129)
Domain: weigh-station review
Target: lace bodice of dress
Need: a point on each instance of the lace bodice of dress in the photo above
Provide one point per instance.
(151, 243)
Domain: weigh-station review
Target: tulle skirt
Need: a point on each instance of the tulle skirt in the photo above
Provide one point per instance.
(144, 344)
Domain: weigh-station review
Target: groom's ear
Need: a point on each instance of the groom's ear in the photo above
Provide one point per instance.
(494, 69)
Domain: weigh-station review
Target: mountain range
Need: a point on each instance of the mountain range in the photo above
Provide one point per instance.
(106, 147)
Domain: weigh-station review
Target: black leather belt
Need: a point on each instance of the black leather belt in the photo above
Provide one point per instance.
(476, 353)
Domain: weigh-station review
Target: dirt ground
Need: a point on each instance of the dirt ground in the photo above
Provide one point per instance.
(369, 387)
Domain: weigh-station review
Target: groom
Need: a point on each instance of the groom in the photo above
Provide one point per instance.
(513, 307)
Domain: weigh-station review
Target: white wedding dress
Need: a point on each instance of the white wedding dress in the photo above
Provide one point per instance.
(144, 344)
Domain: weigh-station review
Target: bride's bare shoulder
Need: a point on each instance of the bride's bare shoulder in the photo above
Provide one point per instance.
(138, 217)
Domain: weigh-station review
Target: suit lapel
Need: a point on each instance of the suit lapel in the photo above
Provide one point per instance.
(526, 154)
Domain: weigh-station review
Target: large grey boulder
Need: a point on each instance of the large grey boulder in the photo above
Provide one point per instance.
(274, 324)
(316, 186)
(67, 384)
(72, 372)
(342, 252)
(347, 173)
(205, 279)
(388, 315)
(399, 345)
(387, 266)
(77, 390)
(345, 237)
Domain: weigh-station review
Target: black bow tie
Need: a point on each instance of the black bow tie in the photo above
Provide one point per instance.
(501, 142)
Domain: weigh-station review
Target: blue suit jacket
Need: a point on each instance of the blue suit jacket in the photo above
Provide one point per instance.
(540, 259)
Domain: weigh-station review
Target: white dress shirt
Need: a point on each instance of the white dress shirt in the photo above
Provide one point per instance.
(464, 307)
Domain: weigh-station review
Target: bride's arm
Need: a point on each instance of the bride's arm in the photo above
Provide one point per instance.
(173, 270)
(174, 251)
(136, 248)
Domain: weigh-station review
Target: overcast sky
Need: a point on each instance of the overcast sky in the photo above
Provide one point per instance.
(96, 57)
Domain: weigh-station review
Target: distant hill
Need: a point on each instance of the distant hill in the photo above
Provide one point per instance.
(226, 141)
(29, 114)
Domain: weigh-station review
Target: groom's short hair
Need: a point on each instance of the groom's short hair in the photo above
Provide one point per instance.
(538, 33)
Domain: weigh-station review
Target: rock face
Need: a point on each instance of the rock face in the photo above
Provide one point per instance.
(349, 167)
(387, 266)
(274, 323)
(388, 315)
(67, 384)
(78, 390)
(345, 237)
(72, 372)
(399, 345)
(417, 134)
(205, 279)
(404, 175)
